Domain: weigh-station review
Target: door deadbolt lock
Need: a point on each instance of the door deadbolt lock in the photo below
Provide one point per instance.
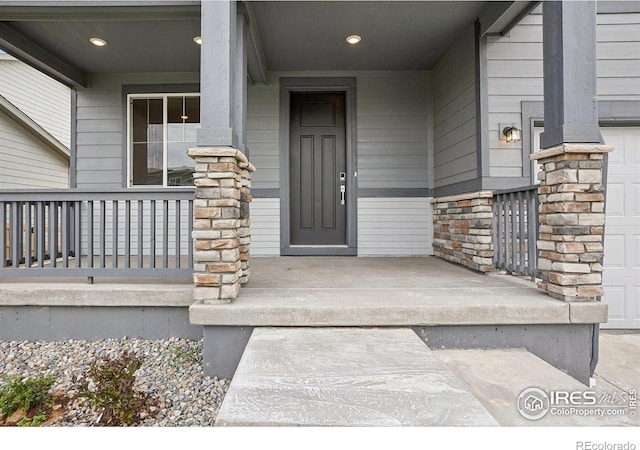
(343, 176)
(343, 190)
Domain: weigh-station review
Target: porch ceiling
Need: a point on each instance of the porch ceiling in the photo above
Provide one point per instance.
(413, 35)
(157, 36)
(133, 45)
(150, 36)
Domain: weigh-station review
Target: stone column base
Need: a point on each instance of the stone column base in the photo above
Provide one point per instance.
(221, 223)
(570, 239)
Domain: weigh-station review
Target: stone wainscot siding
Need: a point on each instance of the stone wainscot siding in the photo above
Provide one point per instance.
(462, 229)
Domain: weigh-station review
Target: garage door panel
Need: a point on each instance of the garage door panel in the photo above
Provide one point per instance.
(615, 199)
(635, 295)
(616, 138)
(616, 299)
(633, 147)
(615, 251)
(621, 278)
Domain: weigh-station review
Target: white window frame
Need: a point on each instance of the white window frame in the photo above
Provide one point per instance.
(165, 135)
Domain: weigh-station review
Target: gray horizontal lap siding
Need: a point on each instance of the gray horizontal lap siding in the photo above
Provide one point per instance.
(101, 132)
(43, 99)
(26, 161)
(515, 75)
(392, 134)
(454, 114)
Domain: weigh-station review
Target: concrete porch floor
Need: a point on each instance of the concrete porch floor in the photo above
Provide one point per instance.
(351, 291)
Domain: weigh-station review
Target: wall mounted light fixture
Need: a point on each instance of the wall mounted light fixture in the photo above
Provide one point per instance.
(512, 133)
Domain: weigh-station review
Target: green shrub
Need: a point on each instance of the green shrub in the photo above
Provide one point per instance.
(112, 389)
(33, 421)
(31, 392)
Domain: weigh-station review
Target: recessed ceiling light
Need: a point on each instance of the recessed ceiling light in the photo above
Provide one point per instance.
(98, 42)
(198, 40)
(353, 39)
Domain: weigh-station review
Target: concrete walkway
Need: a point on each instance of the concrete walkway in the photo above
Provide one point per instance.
(346, 377)
(389, 377)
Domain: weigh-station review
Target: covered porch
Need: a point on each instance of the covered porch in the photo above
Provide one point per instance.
(415, 169)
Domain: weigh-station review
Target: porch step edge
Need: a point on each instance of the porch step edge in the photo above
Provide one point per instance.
(59, 294)
(359, 315)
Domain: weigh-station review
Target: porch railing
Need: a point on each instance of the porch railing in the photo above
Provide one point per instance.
(124, 233)
(515, 230)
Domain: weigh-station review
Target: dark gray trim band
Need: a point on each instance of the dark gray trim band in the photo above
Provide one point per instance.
(482, 104)
(482, 184)
(532, 114)
(159, 88)
(319, 251)
(503, 183)
(458, 188)
(617, 7)
(395, 192)
(265, 193)
(59, 323)
(73, 143)
(362, 193)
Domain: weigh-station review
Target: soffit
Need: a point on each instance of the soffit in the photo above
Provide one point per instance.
(304, 35)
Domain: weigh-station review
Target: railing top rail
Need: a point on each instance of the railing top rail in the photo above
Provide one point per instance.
(514, 190)
(34, 195)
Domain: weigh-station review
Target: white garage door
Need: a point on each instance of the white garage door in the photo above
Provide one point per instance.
(622, 234)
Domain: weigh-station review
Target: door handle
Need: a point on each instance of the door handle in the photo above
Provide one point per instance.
(343, 190)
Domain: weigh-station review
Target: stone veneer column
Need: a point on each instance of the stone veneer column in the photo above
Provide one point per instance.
(570, 240)
(462, 229)
(219, 221)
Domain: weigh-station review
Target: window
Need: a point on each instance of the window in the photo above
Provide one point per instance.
(161, 129)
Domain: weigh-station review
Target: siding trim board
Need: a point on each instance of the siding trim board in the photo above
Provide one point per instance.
(394, 192)
(457, 188)
(482, 104)
(73, 144)
(618, 7)
(265, 193)
(361, 193)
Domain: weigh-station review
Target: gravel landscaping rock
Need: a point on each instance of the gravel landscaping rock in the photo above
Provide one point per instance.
(172, 374)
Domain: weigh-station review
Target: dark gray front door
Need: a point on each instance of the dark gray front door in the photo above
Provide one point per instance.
(318, 169)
